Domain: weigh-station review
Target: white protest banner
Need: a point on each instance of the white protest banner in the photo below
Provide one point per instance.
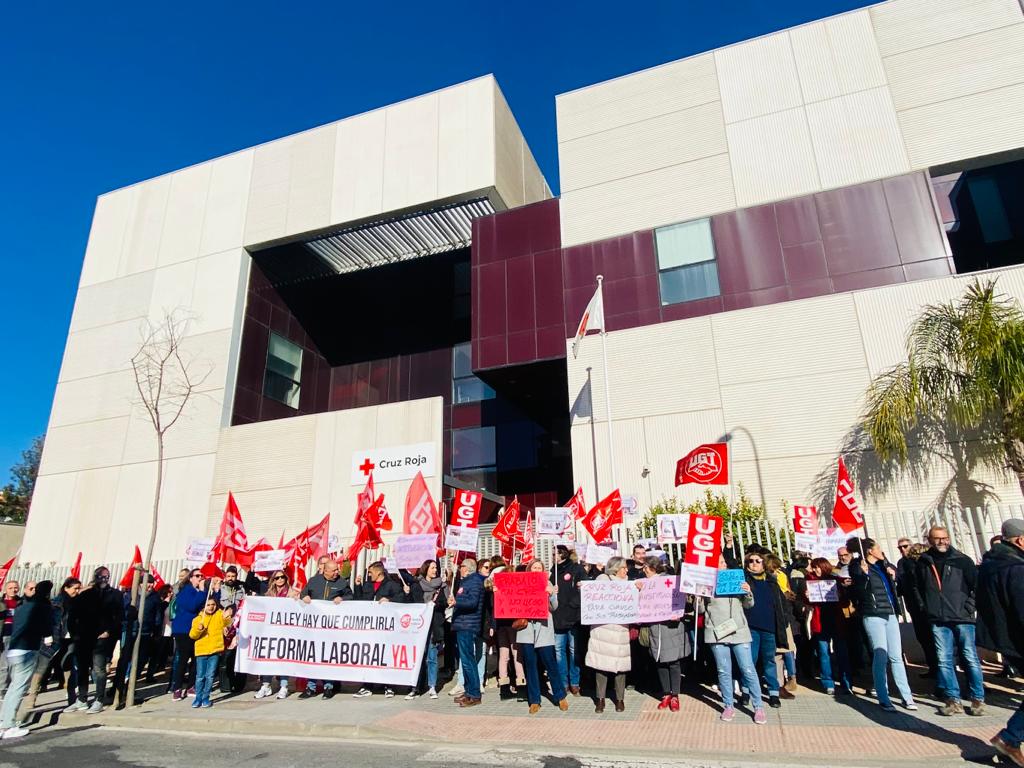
(552, 521)
(269, 560)
(197, 552)
(600, 553)
(672, 528)
(461, 538)
(611, 601)
(828, 543)
(823, 591)
(390, 566)
(356, 641)
(411, 550)
(805, 542)
(660, 599)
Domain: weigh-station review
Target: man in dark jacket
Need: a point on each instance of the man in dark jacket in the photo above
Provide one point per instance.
(33, 626)
(380, 587)
(567, 575)
(96, 617)
(1001, 619)
(467, 604)
(327, 585)
(906, 588)
(945, 583)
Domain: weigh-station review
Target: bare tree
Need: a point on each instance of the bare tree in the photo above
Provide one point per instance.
(166, 380)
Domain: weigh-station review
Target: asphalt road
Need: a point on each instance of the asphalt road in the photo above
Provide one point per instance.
(106, 747)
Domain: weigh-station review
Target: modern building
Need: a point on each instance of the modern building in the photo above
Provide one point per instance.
(398, 288)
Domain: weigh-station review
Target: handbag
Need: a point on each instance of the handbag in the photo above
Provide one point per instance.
(644, 637)
(518, 624)
(726, 628)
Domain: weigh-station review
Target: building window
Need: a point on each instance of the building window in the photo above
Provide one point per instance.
(466, 388)
(988, 205)
(474, 457)
(686, 262)
(284, 368)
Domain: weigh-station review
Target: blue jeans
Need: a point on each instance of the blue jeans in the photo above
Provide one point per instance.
(1013, 733)
(789, 663)
(481, 662)
(948, 639)
(724, 655)
(21, 669)
(565, 654)
(432, 650)
(762, 651)
(842, 662)
(470, 648)
(884, 637)
(206, 670)
(546, 655)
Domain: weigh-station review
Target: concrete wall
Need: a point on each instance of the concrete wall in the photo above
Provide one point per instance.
(903, 85)
(787, 380)
(180, 241)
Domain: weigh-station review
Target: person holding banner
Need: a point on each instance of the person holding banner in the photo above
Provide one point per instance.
(278, 587)
(431, 588)
(824, 624)
(467, 615)
(874, 585)
(327, 585)
(728, 635)
(608, 650)
(668, 643)
(508, 649)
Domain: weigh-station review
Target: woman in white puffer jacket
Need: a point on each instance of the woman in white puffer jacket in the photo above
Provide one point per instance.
(608, 650)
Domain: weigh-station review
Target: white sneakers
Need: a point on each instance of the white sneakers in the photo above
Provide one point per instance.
(264, 691)
(410, 695)
(362, 693)
(95, 708)
(14, 733)
(78, 706)
(282, 692)
(388, 693)
(432, 693)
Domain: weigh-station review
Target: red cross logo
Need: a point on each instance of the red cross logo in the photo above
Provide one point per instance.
(366, 467)
(668, 582)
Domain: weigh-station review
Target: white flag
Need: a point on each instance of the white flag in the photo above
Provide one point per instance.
(593, 320)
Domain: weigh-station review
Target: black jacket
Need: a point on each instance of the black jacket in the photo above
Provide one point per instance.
(389, 588)
(946, 582)
(33, 621)
(95, 611)
(869, 593)
(906, 586)
(1001, 601)
(319, 588)
(567, 614)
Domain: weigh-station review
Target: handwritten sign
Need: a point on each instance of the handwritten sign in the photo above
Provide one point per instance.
(520, 595)
(552, 521)
(672, 529)
(823, 591)
(698, 580)
(198, 551)
(828, 543)
(599, 554)
(390, 565)
(411, 550)
(461, 538)
(269, 560)
(660, 599)
(730, 582)
(610, 601)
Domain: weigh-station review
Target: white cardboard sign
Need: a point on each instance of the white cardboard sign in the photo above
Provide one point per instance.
(552, 521)
(461, 538)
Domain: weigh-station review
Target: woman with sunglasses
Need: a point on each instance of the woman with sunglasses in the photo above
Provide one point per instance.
(768, 623)
(278, 586)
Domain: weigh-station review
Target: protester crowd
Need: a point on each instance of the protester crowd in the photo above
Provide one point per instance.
(738, 643)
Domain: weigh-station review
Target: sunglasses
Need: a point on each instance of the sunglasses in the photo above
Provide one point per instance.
(280, 578)
(755, 560)
(903, 546)
(196, 576)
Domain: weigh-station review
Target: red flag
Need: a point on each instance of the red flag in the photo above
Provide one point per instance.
(316, 537)
(508, 524)
(158, 580)
(846, 512)
(6, 568)
(421, 513)
(231, 543)
(528, 539)
(364, 500)
(211, 569)
(296, 571)
(375, 514)
(76, 569)
(297, 550)
(605, 514)
(129, 575)
(367, 537)
(706, 464)
(577, 505)
(466, 508)
(704, 541)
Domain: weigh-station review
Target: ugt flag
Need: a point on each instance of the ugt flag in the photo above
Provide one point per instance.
(706, 464)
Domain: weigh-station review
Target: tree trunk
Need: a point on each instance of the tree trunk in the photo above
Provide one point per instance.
(148, 565)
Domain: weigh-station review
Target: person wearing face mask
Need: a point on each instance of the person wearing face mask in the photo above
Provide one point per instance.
(874, 587)
(96, 617)
(945, 582)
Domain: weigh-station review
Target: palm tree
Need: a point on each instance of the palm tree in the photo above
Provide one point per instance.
(965, 367)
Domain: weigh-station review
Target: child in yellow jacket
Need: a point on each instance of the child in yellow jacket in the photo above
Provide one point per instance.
(208, 632)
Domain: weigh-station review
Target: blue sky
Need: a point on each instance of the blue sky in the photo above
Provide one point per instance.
(99, 95)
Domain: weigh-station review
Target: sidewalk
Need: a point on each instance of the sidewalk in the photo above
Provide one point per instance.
(812, 729)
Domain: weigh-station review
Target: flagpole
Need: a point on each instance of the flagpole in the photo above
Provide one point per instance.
(608, 404)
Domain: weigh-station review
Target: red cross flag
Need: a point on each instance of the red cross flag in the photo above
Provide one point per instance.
(846, 512)
(592, 320)
(706, 464)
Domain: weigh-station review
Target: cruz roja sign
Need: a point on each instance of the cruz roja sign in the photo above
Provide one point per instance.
(400, 462)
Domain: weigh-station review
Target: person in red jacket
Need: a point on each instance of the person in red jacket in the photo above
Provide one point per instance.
(825, 623)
